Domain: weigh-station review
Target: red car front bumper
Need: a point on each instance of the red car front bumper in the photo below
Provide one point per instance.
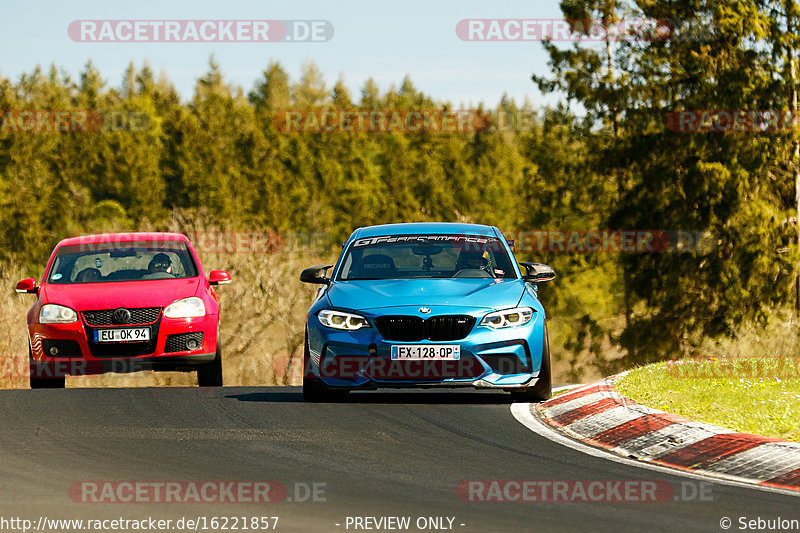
(71, 349)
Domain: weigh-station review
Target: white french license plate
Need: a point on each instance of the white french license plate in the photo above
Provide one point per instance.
(122, 335)
(416, 352)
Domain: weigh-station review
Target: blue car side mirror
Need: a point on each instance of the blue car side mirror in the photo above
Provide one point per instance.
(315, 274)
(538, 272)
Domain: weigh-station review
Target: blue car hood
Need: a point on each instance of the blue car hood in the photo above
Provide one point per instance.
(463, 292)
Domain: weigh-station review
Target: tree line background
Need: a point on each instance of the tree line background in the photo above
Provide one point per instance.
(603, 159)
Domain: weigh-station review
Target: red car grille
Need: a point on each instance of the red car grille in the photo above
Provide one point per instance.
(139, 317)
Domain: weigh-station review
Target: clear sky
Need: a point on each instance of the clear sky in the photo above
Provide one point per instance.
(385, 40)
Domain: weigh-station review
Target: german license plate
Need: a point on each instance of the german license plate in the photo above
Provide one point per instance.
(122, 335)
(417, 352)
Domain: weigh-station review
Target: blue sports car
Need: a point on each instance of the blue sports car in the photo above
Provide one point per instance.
(424, 305)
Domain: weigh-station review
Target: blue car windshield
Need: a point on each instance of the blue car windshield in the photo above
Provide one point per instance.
(426, 256)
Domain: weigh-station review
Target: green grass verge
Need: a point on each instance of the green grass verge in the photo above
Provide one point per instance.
(759, 395)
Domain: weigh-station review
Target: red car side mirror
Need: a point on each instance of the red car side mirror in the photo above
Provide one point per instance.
(27, 286)
(219, 277)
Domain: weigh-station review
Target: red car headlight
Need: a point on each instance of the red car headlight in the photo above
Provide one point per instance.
(57, 314)
(187, 308)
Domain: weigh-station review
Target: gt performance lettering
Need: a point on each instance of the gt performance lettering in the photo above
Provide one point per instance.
(392, 239)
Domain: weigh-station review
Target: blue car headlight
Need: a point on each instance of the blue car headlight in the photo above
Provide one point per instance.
(341, 320)
(508, 318)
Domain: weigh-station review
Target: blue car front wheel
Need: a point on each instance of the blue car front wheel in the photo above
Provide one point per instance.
(313, 389)
(543, 389)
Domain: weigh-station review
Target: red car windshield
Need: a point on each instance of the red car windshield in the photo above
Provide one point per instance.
(127, 261)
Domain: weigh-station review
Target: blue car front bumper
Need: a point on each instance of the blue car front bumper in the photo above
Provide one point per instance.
(504, 358)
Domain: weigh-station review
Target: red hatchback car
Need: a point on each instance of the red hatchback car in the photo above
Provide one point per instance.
(122, 303)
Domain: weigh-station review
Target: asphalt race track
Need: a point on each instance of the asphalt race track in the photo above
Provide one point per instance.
(379, 454)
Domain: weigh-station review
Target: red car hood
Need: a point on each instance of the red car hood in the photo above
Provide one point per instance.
(92, 296)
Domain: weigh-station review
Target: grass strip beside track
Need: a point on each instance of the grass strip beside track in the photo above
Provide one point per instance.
(759, 395)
